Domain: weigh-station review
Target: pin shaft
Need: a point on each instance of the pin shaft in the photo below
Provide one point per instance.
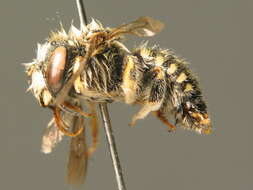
(112, 146)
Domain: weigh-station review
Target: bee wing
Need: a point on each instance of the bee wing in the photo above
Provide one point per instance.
(78, 156)
(94, 127)
(143, 26)
(52, 136)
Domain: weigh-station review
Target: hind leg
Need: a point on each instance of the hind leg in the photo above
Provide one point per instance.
(156, 95)
(164, 120)
(145, 110)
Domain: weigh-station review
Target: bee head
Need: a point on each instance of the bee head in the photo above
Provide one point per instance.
(55, 60)
(51, 69)
(35, 70)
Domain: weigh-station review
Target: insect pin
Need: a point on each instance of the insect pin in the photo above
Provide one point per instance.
(92, 65)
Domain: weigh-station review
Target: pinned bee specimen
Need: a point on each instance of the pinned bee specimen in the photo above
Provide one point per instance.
(92, 65)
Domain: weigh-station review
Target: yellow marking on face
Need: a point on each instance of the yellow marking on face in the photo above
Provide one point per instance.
(172, 69)
(46, 97)
(181, 78)
(188, 87)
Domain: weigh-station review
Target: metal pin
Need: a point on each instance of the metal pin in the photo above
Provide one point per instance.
(81, 13)
(112, 146)
(105, 117)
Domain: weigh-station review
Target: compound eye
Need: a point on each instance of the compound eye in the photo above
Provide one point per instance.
(56, 68)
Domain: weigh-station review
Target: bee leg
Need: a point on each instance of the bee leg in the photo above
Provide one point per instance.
(145, 110)
(155, 100)
(61, 126)
(156, 96)
(164, 120)
(130, 78)
(94, 128)
(77, 109)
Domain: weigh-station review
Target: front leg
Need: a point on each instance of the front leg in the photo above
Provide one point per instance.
(131, 78)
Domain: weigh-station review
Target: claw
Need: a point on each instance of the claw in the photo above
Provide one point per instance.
(132, 123)
(61, 126)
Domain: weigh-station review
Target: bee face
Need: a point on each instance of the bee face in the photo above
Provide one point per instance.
(53, 64)
(34, 70)
(56, 58)
(54, 69)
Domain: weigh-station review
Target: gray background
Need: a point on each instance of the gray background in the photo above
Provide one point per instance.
(215, 36)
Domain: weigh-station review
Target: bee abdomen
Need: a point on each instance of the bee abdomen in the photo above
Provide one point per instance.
(189, 107)
(183, 96)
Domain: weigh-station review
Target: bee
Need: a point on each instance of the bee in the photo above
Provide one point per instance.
(92, 65)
